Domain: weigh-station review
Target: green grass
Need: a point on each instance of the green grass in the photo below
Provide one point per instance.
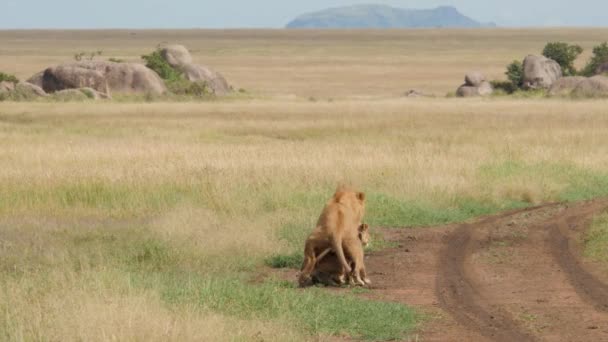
(313, 310)
(596, 239)
(153, 264)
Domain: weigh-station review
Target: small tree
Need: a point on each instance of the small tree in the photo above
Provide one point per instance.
(564, 54)
(600, 56)
(515, 73)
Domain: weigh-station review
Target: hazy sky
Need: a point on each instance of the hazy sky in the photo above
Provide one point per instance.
(274, 13)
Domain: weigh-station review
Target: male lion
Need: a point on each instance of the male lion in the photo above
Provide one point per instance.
(329, 270)
(337, 228)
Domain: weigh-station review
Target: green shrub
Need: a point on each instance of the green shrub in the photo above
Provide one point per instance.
(8, 78)
(185, 87)
(600, 56)
(564, 54)
(515, 73)
(506, 87)
(156, 62)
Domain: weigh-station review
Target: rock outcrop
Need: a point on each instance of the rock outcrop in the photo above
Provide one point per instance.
(596, 86)
(179, 58)
(475, 84)
(540, 72)
(103, 76)
(565, 85)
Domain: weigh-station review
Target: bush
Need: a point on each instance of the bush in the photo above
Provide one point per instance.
(185, 87)
(157, 63)
(506, 87)
(515, 73)
(600, 56)
(8, 78)
(564, 54)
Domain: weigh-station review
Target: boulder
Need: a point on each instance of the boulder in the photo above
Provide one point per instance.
(94, 94)
(30, 90)
(474, 78)
(596, 86)
(21, 91)
(36, 79)
(103, 76)
(179, 57)
(540, 72)
(467, 91)
(484, 89)
(214, 80)
(70, 95)
(74, 76)
(565, 85)
(176, 55)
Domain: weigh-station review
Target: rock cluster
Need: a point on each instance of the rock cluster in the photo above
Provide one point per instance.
(179, 58)
(475, 84)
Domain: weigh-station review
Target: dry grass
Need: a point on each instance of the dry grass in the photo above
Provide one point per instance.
(121, 214)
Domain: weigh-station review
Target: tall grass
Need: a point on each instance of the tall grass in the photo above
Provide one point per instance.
(147, 221)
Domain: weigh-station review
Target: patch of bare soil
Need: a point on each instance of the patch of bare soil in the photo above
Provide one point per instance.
(516, 276)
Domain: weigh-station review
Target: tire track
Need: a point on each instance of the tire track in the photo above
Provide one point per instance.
(460, 295)
(457, 293)
(567, 252)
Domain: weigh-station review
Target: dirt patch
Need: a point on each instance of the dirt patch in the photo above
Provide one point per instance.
(516, 276)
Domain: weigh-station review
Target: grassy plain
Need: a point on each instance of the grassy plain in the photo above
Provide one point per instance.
(148, 221)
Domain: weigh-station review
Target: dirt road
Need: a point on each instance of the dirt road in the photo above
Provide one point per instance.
(516, 276)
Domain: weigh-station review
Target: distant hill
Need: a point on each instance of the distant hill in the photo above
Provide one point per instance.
(382, 16)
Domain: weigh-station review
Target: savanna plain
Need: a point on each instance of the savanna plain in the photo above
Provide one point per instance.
(160, 220)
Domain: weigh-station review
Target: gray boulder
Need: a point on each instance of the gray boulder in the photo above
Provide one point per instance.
(36, 79)
(565, 85)
(213, 79)
(74, 76)
(70, 95)
(474, 78)
(467, 91)
(483, 88)
(596, 86)
(176, 55)
(103, 76)
(21, 91)
(30, 90)
(540, 72)
(94, 94)
(179, 57)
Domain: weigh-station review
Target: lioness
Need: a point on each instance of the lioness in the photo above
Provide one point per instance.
(329, 270)
(337, 228)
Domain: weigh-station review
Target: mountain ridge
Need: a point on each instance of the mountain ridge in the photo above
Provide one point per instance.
(384, 16)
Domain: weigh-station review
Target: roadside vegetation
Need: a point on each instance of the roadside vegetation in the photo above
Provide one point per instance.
(596, 240)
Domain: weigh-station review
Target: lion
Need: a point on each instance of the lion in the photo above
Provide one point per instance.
(337, 229)
(328, 270)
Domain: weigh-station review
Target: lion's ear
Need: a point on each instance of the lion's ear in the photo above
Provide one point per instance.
(363, 227)
(361, 196)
